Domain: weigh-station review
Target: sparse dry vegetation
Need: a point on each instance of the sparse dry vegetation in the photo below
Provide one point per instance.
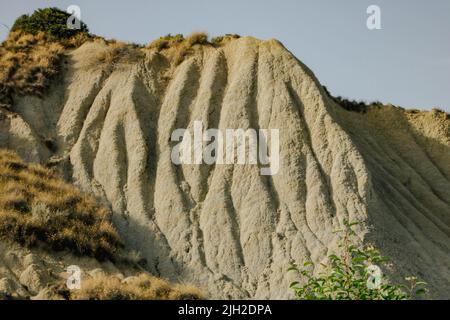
(27, 64)
(439, 112)
(177, 47)
(141, 287)
(197, 38)
(221, 39)
(36, 207)
(30, 57)
(117, 52)
(166, 42)
(77, 40)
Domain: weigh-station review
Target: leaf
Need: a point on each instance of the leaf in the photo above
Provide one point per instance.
(358, 259)
(421, 291)
(333, 257)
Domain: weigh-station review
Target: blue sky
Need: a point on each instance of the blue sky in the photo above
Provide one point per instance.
(406, 63)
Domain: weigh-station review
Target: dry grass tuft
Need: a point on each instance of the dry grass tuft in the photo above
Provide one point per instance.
(441, 113)
(159, 44)
(141, 287)
(166, 42)
(36, 207)
(117, 53)
(27, 64)
(177, 48)
(112, 53)
(77, 40)
(217, 41)
(197, 38)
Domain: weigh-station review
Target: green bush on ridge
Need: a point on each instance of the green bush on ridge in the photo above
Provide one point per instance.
(351, 105)
(52, 21)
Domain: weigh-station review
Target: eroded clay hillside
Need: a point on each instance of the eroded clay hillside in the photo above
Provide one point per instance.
(106, 125)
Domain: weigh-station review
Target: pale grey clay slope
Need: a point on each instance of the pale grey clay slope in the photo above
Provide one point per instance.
(226, 228)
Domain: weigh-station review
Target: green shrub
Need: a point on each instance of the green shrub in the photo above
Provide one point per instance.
(351, 276)
(352, 105)
(52, 21)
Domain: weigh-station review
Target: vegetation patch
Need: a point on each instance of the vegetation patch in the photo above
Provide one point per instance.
(31, 55)
(117, 53)
(352, 105)
(177, 47)
(222, 39)
(27, 64)
(441, 113)
(37, 207)
(140, 287)
(51, 21)
(353, 275)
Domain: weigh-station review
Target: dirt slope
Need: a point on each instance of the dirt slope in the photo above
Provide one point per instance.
(226, 228)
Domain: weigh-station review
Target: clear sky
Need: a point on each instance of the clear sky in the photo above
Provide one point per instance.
(407, 62)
